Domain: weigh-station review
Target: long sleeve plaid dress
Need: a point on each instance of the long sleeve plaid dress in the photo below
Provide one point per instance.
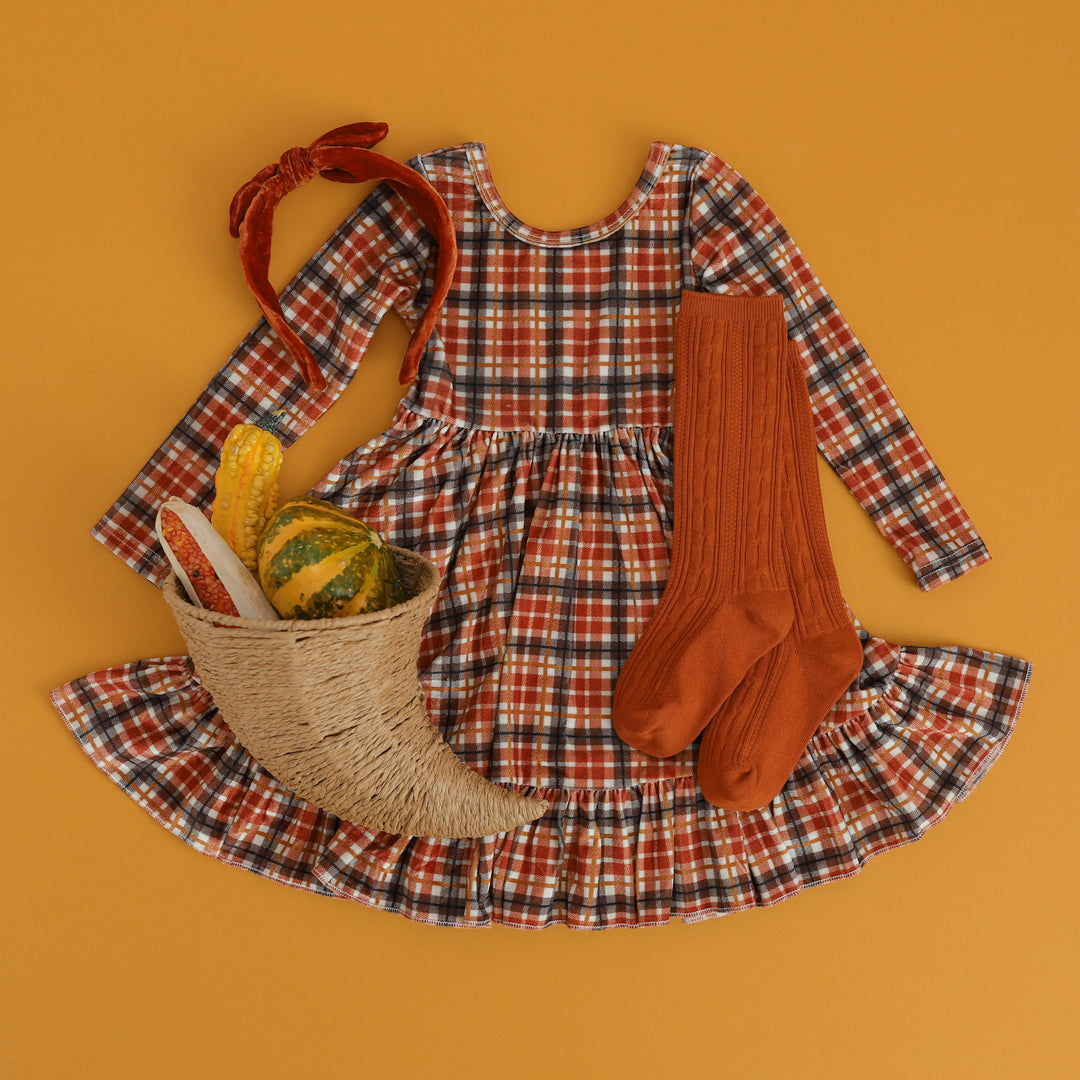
(532, 461)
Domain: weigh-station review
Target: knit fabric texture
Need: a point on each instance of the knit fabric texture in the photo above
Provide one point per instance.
(751, 641)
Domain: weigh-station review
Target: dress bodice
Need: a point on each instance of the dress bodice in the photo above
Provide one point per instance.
(567, 330)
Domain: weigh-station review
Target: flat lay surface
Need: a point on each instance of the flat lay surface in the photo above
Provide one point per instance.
(912, 200)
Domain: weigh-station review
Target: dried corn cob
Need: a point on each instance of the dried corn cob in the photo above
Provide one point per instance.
(246, 488)
(209, 592)
(212, 575)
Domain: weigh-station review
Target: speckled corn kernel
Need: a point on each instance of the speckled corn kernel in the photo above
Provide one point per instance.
(208, 588)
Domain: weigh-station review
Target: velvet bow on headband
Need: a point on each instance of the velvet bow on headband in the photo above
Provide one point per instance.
(343, 155)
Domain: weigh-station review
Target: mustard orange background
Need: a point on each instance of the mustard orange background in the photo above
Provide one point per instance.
(923, 155)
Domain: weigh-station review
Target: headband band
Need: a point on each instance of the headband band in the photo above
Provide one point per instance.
(342, 155)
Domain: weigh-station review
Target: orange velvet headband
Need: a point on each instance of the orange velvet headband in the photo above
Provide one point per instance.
(342, 155)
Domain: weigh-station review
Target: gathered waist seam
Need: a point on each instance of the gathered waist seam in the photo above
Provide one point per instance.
(455, 423)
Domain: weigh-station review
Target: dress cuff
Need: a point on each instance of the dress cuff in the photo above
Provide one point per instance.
(947, 565)
(142, 552)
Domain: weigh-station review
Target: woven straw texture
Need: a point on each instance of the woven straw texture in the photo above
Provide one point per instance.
(334, 709)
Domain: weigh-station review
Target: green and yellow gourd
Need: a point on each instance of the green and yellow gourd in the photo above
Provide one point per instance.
(315, 561)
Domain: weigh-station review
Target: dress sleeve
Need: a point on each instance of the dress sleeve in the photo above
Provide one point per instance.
(380, 257)
(737, 244)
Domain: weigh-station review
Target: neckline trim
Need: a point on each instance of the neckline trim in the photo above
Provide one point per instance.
(582, 234)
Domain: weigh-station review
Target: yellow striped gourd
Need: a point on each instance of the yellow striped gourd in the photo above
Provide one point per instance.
(316, 561)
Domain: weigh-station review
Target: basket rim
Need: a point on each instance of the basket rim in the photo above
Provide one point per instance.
(429, 585)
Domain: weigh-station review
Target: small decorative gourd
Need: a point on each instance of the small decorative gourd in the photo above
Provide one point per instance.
(316, 561)
(246, 488)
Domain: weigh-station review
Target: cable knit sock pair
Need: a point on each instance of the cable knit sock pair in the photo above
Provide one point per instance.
(751, 642)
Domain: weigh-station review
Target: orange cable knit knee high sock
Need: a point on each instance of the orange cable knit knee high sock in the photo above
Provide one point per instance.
(726, 602)
(754, 741)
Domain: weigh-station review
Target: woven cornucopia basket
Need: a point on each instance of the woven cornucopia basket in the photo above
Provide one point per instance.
(334, 709)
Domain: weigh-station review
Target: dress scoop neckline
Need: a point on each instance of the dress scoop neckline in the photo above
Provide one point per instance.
(582, 234)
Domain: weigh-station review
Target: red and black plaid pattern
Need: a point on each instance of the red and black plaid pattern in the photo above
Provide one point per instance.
(563, 331)
(532, 462)
(913, 737)
(553, 551)
(379, 258)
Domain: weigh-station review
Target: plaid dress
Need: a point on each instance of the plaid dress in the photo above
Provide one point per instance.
(532, 461)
